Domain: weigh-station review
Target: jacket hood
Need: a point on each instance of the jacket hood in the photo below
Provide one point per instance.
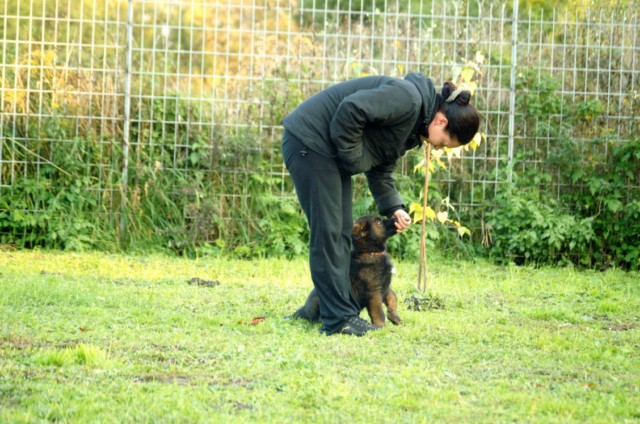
(430, 99)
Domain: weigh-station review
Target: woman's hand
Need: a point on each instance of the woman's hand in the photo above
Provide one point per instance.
(404, 220)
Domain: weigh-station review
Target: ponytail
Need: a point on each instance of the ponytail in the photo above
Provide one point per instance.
(463, 118)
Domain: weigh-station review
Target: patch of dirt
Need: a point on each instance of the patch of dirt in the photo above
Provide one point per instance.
(426, 303)
(203, 283)
(164, 378)
(240, 406)
(494, 300)
(620, 326)
(187, 380)
(17, 342)
(44, 272)
(238, 382)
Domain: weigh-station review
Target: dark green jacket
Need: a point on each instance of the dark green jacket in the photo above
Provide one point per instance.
(367, 124)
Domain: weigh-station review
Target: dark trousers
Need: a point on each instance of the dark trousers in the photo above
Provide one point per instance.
(325, 193)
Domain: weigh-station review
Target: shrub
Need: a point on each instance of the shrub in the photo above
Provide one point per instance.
(528, 227)
(594, 221)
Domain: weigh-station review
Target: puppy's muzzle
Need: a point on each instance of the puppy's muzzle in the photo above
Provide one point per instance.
(390, 227)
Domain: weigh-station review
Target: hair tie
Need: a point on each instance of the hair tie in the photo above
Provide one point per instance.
(452, 98)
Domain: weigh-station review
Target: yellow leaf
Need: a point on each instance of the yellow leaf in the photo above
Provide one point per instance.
(448, 152)
(436, 154)
(475, 141)
(414, 206)
(442, 217)
(417, 211)
(453, 152)
(467, 74)
(471, 64)
(419, 167)
(463, 230)
(471, 86)
(430, 213)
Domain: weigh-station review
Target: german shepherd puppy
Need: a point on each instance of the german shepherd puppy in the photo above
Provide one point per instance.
(370, 273)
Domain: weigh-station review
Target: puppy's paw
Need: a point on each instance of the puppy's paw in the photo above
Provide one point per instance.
(394, 318)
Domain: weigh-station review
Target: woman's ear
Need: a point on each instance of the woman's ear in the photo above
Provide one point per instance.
(441, 119)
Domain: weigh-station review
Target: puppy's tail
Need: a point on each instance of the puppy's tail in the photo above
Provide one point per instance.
(311, 309)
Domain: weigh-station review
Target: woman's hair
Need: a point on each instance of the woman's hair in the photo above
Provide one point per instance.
(463, 117)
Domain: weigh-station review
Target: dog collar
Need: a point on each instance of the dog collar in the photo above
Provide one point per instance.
(377, 253)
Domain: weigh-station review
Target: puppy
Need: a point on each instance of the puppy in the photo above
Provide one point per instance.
(370, 273)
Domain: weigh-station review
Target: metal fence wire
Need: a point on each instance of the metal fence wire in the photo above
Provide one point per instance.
(194, 86)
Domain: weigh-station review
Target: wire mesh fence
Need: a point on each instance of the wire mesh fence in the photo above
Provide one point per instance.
(198, 88)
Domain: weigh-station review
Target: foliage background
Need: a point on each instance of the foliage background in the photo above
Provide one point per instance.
(209, 84)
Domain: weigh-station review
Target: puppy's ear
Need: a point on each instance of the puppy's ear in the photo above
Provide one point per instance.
(360, 230)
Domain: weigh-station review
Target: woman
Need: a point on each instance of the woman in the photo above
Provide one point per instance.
(362, 125)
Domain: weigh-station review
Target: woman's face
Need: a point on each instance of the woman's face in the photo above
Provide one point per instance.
(438, 137)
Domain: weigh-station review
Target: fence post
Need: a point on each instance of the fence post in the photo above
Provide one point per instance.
(512, 88)
(127, 124)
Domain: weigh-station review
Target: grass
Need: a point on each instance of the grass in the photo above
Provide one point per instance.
(111, 338)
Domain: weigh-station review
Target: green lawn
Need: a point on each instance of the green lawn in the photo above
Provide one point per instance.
(112, 338)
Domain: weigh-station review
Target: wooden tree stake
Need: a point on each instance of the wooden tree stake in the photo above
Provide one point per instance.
(422, 269)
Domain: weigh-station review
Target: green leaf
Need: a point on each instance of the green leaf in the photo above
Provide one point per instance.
(615, 205)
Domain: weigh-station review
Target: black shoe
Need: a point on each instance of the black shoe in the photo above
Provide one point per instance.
(356, 326)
